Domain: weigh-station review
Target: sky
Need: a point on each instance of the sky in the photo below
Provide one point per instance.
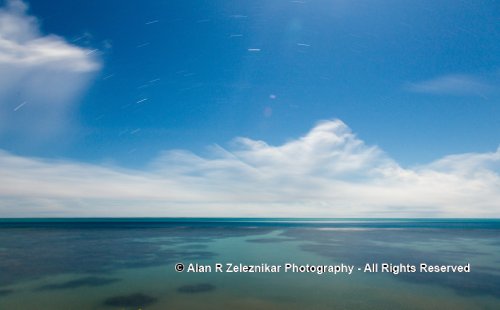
(250, 108)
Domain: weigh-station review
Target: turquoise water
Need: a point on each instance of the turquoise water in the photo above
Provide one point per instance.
(129, 263)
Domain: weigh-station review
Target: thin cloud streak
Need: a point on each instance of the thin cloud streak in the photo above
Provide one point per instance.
(328, 172)
(453, 84)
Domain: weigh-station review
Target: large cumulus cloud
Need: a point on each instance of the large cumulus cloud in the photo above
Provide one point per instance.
(41, 75)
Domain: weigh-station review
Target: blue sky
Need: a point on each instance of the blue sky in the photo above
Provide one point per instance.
(126, 85)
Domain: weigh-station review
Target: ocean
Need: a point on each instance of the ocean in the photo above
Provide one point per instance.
(242, 263)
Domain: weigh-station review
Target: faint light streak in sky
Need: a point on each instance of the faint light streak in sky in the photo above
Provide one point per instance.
(20, 106)
(91, 51)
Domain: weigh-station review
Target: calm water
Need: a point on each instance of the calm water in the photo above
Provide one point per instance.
(129, 264)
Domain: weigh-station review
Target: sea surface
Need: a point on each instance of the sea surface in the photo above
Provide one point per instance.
(130, 263)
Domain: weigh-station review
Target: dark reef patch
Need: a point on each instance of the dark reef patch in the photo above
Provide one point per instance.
(196, 288)
(5, 292)
(87, 281)
(194, 246)
(136, 300)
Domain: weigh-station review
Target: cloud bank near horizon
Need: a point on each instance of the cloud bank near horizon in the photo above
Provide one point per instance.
(329, 172)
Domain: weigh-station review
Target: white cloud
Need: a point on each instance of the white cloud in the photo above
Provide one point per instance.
(44, 71)
(453, 84)
(328, 172)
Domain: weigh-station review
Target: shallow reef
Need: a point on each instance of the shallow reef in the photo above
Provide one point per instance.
(135, 300)
(196, 288)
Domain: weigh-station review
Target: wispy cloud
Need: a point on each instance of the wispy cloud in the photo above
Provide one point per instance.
(327, 172)
(453, 84)
(44, 71)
